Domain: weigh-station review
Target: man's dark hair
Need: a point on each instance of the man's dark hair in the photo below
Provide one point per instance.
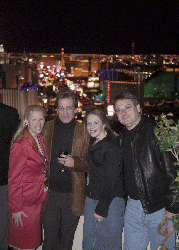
(126, 95)
(67, 94)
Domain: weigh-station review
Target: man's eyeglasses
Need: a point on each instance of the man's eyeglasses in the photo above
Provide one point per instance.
(68, 108)
(126, 109)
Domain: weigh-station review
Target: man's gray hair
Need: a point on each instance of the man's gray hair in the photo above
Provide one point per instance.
(67, 94)
(124, 96)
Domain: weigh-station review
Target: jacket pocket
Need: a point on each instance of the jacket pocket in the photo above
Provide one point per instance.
(33, 192)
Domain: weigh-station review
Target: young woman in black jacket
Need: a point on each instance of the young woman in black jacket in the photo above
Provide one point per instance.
(104, 205)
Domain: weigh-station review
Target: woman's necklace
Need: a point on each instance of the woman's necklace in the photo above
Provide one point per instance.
(38, 146)
(40, 150)
(45, 162)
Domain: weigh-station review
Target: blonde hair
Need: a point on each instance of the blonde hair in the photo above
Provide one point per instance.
(23, 125)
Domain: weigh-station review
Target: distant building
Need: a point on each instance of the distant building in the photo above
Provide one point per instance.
(17, 68)
(164, 82)
(4, 61)
(114, 82)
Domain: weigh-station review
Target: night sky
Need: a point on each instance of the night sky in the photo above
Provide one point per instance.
(101, 27)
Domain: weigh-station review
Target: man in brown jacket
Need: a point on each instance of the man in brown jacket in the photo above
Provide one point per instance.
(66, 142)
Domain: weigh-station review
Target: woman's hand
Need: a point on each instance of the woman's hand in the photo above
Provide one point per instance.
(168, 216)
(98, 217)
(16, 217)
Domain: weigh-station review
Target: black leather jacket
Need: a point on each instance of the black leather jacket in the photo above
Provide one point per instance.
(154, 169)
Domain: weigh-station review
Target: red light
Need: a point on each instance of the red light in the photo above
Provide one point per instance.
(108, 85)
(108, 89)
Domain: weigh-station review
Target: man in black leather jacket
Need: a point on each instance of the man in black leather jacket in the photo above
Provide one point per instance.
(149, 177)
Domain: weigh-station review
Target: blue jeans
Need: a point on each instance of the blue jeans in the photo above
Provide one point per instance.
(105, 234)
(139, 228)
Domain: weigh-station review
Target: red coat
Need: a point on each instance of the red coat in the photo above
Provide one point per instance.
(26, 173)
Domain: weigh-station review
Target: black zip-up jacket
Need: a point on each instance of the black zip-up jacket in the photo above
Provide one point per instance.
(105, 181)
(9, 121)
(154, 169)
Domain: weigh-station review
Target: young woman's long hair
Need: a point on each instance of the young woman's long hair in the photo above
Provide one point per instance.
(23, 123)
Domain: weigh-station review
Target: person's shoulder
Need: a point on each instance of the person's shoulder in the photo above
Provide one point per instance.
(80, 125)
(111, 139)
(7, 108)
(9, 114)
(48, 128)
(19, 142)
(25, 139)
(147, 129)
(147, 123)
(81, 129)
(20, 145)
(49, 124)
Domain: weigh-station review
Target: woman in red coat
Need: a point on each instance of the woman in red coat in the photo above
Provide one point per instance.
(27, 173)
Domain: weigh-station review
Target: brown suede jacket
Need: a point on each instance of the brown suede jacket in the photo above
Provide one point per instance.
(79, 150)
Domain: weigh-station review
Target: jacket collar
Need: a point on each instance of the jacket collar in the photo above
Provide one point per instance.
(98, 144)
(140, 126)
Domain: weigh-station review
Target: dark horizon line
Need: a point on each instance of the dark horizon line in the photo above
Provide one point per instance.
(89, 52)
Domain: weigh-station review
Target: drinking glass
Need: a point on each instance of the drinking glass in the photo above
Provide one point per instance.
(64, 152)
